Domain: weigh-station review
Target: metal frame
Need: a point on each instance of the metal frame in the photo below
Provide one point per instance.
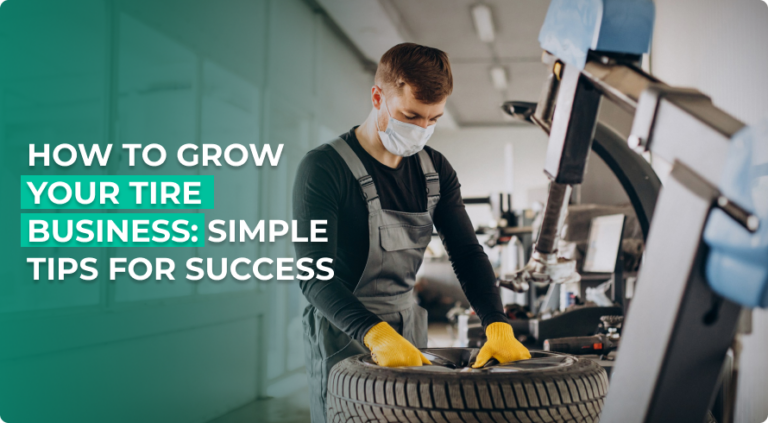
(633, 172)
(678, 331)
(573, 128)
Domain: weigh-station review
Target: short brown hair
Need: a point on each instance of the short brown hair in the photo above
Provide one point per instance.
(425, 69)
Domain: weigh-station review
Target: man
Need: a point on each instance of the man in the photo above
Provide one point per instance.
(381, 191)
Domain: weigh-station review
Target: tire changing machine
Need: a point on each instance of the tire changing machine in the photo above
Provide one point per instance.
(705, 261)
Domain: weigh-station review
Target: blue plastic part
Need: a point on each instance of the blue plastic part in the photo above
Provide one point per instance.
(573, 27)
(737, 266)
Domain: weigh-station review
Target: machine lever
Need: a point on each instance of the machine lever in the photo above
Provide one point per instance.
(743, 217)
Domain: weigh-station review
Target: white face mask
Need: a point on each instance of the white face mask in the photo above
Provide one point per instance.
(404, 139)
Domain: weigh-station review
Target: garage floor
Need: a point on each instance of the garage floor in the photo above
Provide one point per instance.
(290, 409)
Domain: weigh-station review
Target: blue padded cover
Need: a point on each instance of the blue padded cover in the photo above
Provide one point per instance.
(737, 266)
(573, 27)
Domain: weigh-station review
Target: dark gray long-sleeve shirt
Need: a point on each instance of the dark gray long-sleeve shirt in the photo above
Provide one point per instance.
(326, 190)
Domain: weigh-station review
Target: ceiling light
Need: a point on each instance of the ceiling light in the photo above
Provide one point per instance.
(499, 78)
(481, 14)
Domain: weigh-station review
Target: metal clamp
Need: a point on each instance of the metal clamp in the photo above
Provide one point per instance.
(542, 269)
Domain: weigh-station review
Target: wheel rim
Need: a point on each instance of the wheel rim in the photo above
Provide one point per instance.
(452, 360)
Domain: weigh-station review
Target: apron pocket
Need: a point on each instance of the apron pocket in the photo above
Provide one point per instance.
(405, 237)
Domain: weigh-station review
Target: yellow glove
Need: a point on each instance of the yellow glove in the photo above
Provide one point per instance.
(501, 345)
(389, 349)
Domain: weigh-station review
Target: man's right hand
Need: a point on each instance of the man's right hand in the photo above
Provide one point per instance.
(390, 349)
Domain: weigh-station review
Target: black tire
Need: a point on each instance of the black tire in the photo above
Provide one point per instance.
(550, 387)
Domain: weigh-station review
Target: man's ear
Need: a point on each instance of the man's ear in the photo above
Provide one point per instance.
(376, 97)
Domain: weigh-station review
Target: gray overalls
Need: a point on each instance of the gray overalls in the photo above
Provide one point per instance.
(397, 242)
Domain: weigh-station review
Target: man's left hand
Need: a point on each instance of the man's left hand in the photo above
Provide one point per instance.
(501, 345)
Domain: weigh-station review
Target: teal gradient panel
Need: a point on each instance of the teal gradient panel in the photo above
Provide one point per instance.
(167, 72)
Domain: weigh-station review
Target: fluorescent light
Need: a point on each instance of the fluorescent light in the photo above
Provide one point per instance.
(499, 78)
(481, 14)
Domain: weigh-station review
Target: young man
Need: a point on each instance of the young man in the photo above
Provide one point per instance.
(381, 191)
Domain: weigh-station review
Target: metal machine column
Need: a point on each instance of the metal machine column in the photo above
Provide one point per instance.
(678, 330)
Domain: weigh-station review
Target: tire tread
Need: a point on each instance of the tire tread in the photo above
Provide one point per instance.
(360, 394)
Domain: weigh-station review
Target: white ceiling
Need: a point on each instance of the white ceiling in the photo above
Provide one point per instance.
(375, 25)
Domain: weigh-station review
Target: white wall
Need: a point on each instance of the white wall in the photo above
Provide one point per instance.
(478, 155)
(719, 47)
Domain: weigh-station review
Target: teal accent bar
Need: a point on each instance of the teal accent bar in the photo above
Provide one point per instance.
(126, 196)
(126, 229)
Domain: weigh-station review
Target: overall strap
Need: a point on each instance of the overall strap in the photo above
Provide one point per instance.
(432, 177)
(367, 187)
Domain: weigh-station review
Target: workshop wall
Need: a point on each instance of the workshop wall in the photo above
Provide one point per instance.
(172, 72)
(480, 157)
(719, 48)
